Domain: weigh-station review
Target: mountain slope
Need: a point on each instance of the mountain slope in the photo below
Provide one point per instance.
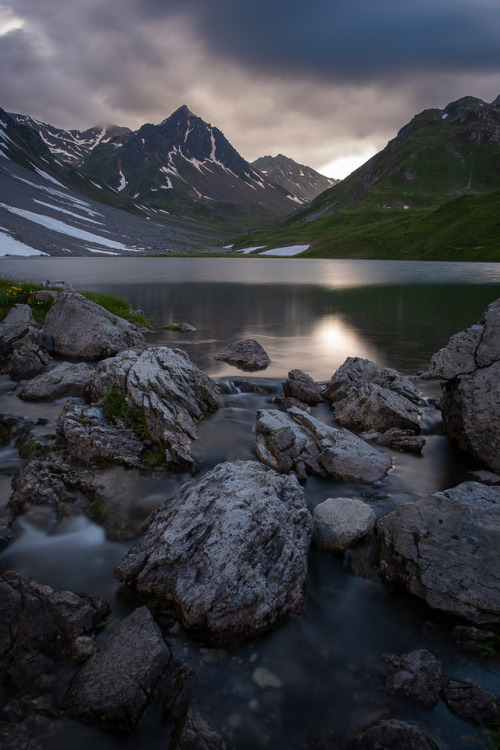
(71, 146)
(410, 200)
(303, 182)
(187, 166)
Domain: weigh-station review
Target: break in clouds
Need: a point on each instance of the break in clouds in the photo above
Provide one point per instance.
(315, 81)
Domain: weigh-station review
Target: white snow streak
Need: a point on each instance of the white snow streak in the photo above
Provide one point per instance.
(48, 177)
(123, 182)
(64, 211)
(59, 226)
(10, 246)
(286, 251)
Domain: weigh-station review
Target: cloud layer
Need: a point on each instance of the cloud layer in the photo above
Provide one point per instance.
(315, 81)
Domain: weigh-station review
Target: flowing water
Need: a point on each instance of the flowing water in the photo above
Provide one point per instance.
(309, 315)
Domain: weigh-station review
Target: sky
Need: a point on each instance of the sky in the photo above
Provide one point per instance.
(325, 82)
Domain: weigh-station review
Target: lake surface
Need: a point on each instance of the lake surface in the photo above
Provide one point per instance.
(308, 314)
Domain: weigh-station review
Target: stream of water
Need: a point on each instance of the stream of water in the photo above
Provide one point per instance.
(309, 315)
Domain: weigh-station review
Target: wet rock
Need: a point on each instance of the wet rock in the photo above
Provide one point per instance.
(13, 426)
(470, 365)
(298, 442)
(47, 482)
(228, 553)
(444, 548)
(390, 734)
(340, 522)
(302, 387)
(17, 737)
(402, 440)
(82, 329)
(246, 355)
(416, 677)
(167, 389)
(472, 637)
(65, 379)
(39, 619)
(181, 327)
(471, 702)
(90, 437)
(192, 732)
(367, 397)
(116, 685)
(7, 535)
(23, 346)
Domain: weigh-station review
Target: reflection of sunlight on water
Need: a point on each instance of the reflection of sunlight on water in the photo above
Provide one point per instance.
(332, 332)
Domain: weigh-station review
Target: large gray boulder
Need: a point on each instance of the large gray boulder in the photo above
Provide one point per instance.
(367, 397)
(470, 366)
(166, 389)
(296, 441)
(444, 548)
(116, 685)
(471, 703)
(302, 387)
(82, 329)
(65, 379)
(227, 553)
(23, 346)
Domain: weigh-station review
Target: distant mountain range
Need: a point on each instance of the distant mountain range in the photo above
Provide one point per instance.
(184, 166)
(433, 193)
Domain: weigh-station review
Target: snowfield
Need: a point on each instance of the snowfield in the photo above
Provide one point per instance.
(10, 246)
(286, 251)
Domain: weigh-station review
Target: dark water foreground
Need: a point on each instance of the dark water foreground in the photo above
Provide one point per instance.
(323, 670)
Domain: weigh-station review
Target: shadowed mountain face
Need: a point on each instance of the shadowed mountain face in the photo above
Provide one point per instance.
(303, 182)
(185, 164)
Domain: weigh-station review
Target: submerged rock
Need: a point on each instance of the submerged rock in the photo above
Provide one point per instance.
(444, 548)
(416, 677)
(367, 397)
(82, 329)
(391, 733)
(471, 702)
(470, 365)
(296, 441)
(116, 685)
(228, 553)
(339, 522)
(65, 379)
(39, 619)
(166, 389)
(246, 355)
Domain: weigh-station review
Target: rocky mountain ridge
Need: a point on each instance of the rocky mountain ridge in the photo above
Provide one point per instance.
(302, 181)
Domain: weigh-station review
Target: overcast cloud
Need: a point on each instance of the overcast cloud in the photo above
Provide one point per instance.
(317, 81)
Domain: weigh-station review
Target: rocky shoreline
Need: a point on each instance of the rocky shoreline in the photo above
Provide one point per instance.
(226, 557)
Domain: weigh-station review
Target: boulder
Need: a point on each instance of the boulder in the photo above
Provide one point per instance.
(415, 677)
(47, 482)
(91, 437)
(227, 553)
(246, 355)
(391, 734)
(23, 346)
(302, 387)
(296, 441)
(402, 440)
(17, 737)
(166, 389)
(39, 619)
(472, 703)
(82, 329)
(115, 686)
(444, 548)
(470, 366)
(65, 379)
(21, 315)
(367, 397)
(192, 732)
(339, 522)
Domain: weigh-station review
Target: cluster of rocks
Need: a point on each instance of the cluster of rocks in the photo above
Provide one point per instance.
(226, 555)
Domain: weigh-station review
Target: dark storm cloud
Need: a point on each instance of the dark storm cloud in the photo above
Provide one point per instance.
(346, 39)
(312, 80)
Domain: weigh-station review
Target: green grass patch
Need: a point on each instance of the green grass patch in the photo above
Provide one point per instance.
(20, 292)
(115, 406)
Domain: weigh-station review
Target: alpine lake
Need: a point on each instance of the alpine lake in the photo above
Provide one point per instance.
(311, 315)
